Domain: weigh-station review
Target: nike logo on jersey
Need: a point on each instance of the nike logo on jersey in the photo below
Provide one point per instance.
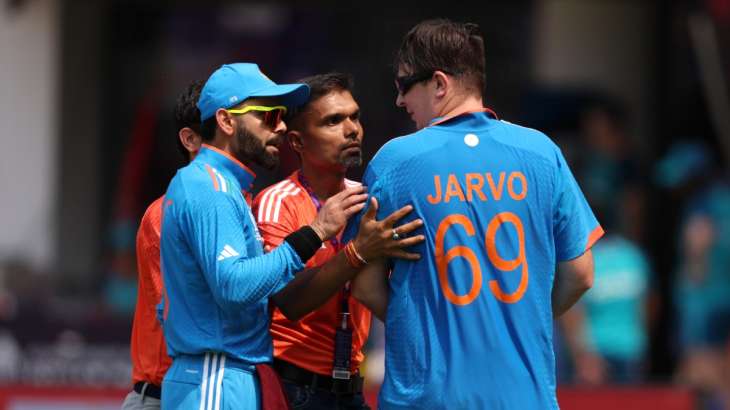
(227, 252)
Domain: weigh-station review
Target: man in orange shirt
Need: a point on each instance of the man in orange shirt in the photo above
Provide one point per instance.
(327, 134)
(149, 353)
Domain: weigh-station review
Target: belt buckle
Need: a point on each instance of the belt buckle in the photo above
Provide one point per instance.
(340, 374)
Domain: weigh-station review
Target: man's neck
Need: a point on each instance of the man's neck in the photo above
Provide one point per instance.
(459, 104)
(324, 183)
(224, 144)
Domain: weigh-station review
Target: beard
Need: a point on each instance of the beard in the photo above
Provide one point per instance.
(351, 160)
(349, 157)
(251, 148)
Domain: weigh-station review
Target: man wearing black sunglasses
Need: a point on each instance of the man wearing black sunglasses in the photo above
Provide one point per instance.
(469, 325)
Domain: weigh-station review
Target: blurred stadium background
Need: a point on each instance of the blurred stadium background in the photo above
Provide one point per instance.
(634, 91)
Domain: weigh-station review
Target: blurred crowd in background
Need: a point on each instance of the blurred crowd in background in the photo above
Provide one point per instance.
(612, 335)
(651, 155)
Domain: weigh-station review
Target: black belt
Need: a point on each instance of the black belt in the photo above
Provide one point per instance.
(297, 375)
(148, 389)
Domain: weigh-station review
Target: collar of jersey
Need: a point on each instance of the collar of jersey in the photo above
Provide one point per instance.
(472, 114)
(222, 159)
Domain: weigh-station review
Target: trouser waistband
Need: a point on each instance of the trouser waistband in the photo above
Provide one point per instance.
(215, 359)
(148, 389)
(295, 374)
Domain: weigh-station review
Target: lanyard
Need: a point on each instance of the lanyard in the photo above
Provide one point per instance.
(345, 309)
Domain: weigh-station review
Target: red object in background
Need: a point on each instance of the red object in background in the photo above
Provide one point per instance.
(71, 397)
(626, 398)
(570, 398)
(137, 157)
(607, 398)
(720, 10)
(371, 396)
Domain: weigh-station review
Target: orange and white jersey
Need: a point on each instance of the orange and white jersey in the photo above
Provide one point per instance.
(148, 351)
(308, 343)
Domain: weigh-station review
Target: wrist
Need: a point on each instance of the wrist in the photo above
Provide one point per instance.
(362, 250)
(305, 242)
(321, 233)
(354, 259)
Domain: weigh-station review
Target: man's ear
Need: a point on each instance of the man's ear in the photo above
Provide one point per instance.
(443, 83)
(225, 121)
(190, 139)
(295, 140)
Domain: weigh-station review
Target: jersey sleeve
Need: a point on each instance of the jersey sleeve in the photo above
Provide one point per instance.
(275, 230)
(213, 225)
(148, 254)
(575, 228)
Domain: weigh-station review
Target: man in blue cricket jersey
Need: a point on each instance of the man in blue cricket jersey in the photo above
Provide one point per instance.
(469, 325)
(217, 279)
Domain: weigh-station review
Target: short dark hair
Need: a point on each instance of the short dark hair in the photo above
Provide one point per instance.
(319, 86)
(186, 113)
(440, 44)
(207, 129)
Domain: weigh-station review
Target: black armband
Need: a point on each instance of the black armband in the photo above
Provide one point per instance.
(305, 242)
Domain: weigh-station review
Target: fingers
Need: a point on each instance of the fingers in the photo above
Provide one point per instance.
(410, 241)
(352, 210)
(374, 203)
(353, 200)
(409, 227)
(395, 216)
(401, 254)
(348, 192)
(370, 214)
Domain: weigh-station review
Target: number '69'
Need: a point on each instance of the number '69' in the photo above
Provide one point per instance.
(444, 258)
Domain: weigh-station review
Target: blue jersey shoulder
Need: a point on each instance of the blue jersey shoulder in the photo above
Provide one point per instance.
(397, 148)
(199, 181)
(525, 138)
(503, 132)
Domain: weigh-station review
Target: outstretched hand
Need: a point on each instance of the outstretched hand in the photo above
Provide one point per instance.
(333, 215)
(377, 239)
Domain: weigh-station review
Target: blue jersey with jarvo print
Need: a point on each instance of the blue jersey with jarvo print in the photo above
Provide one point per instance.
(469, 325)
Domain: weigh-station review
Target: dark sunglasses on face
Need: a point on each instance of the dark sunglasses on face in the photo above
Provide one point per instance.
(272, 115)
(406, 82)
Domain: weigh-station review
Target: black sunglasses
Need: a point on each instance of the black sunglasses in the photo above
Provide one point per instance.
(405, 82)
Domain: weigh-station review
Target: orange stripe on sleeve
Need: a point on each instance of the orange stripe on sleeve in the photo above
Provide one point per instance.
(212, 176)
(594, 236)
